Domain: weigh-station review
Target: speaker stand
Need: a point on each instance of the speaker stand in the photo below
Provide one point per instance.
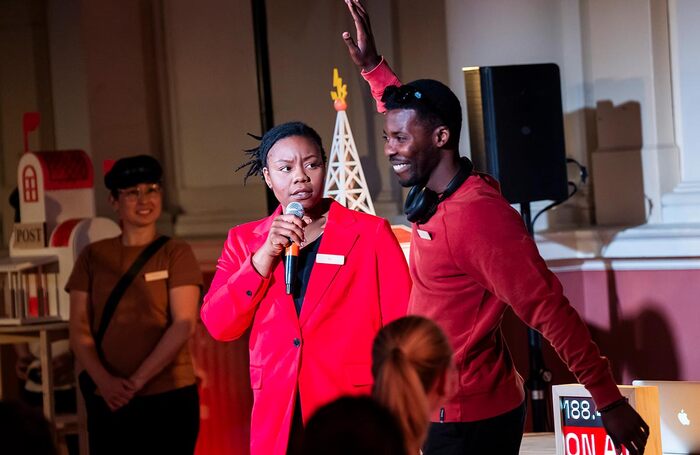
(539, 375)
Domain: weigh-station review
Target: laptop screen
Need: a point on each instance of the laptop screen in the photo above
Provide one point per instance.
(679, 406)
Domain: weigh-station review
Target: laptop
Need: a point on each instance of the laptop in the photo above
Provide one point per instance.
(679, 406)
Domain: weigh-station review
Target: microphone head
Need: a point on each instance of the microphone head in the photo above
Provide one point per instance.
(294, 208)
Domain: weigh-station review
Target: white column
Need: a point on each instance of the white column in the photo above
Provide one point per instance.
(68, 78)
(682, 205)
(207, 72)
(627, 63)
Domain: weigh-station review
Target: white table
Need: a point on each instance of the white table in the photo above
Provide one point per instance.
(538, 444)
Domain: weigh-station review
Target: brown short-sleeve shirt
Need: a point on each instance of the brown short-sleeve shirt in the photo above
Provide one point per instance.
(142, 315)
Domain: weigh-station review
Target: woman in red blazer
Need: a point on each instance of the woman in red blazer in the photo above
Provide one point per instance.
(310, 347)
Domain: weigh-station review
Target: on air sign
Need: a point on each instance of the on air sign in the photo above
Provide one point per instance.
(588, 441)
(578, 426)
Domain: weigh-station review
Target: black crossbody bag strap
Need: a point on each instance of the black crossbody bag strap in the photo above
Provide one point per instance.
(87, 385)
(122, 285)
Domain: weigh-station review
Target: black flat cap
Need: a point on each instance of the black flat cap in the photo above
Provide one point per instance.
(132, 170)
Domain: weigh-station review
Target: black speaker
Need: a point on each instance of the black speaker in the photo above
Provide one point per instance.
(516, 129)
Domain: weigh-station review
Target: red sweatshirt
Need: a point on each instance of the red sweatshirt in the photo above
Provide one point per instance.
(470, 261)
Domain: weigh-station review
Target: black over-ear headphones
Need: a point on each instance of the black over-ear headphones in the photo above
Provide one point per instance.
(421, 202)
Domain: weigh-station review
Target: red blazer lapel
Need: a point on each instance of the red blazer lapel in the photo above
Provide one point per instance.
(339, 236)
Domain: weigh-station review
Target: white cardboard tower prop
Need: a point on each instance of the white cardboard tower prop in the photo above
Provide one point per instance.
(345, 181)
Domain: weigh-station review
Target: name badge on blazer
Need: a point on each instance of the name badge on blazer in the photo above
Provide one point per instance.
(334, 259)
(425, 235)
(155, 276)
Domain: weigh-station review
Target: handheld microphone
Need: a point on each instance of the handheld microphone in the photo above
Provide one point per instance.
(291, 253)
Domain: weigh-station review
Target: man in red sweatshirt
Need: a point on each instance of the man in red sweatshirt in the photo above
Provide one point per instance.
(471, 257)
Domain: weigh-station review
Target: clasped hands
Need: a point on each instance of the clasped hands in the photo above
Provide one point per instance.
(117, 392)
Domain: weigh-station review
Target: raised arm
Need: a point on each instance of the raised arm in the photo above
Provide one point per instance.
(363, 53)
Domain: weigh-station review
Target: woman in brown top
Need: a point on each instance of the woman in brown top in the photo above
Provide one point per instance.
(145, 398)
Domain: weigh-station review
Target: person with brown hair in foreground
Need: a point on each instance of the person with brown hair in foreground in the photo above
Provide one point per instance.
(412, 367)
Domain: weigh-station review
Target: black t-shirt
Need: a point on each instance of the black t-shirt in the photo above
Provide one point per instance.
(307, 257)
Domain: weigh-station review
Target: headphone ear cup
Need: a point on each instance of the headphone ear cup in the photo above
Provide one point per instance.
(413, 202)
(420, 204)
